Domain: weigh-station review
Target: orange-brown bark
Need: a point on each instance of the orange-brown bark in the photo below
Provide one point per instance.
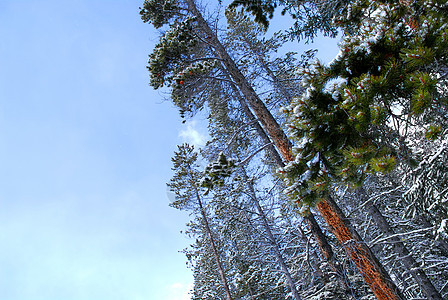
(371, 270)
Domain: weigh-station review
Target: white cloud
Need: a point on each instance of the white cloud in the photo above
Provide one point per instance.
(192, 136)
(179, 291)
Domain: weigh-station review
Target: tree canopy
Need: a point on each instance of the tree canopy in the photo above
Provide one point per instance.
(366, 143)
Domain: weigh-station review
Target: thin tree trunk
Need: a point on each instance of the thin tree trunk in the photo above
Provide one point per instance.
(264, 116)
(312, 263)
(328, 253)
(272, 240)
(285, 93)
(372, 271)
(314, 227)
(441, 244)
(405, 256)
(311, 222)
(260, 131)
(214, 250)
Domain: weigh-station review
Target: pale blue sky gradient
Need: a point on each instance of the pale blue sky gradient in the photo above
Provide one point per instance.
(85, 147)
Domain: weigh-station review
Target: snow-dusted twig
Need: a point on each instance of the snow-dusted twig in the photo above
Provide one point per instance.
(253, 154)
(380, 240)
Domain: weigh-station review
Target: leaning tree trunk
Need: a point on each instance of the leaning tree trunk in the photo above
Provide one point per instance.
(327, 252)
(370, 268)
(272, 239)
(260, 131)
(404, 255)
(311, 222)
(214, 250)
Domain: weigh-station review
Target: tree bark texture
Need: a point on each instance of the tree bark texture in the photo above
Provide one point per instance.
(404, 255)
(374, 274)
(361, 255)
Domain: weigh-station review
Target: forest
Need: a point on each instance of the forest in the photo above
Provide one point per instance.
(318, 181)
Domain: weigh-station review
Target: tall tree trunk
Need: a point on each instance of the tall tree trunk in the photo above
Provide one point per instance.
(327, 252)
(272, 239)
(277, 83)
(311, 222)
(260, 131)
(370, 268)
(264, 116)
(213, 246)
(309, 218)
(405, 256)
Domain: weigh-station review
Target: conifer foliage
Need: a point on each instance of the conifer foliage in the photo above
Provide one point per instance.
(354, 117)
(375, 118)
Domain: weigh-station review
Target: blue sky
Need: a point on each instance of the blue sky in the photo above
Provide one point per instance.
(85, 147)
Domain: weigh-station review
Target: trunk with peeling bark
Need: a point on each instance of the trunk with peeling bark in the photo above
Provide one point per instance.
(371, 269)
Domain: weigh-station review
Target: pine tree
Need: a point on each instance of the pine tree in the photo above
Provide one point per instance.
(426, 186)
(374, 274)
(354, 117)
(246, 39)
(399, 247)
(185, 185)
(247, 185)
(221, 128)
(310, 17)
(407, 245)
(255, 52)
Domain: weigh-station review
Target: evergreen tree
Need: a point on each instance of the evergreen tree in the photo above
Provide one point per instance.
(407, 246)
(179, 64)
(426, 186)
(373, 272)
(185, 185)
(243, 185)
(246, 39)
(232, 131)
(357, 111)
(355, 117)
(311, 17)
(255, 51)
